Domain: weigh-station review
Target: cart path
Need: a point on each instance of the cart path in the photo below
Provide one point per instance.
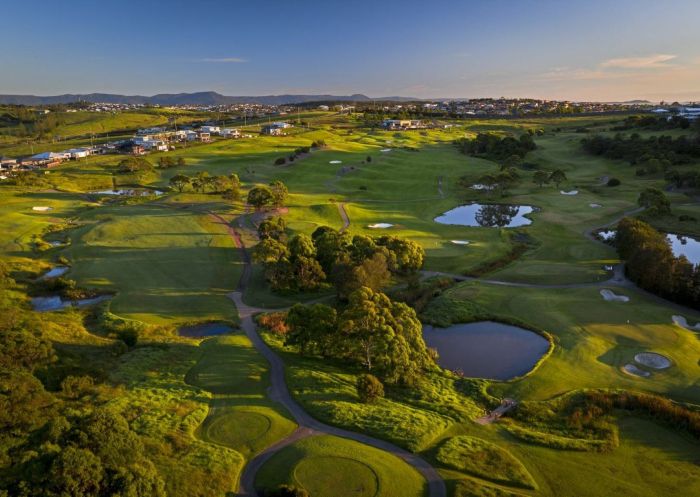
(344, 216)
(279, 392)
(506, 405)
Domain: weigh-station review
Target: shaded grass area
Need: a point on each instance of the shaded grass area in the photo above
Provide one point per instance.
(328, 466)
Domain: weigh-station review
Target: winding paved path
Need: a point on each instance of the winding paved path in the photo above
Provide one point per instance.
(278, 392)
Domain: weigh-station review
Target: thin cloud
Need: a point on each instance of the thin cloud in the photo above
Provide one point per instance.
(224, 60)
(649, 62)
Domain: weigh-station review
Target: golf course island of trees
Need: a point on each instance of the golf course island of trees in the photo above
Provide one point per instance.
(494, 307)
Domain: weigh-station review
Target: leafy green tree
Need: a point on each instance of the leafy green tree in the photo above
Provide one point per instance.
(140, 479)
(407, 255)
(311, 328)
(372, 273)
(201, 182)
(180, 182)
(272, 227)
(301, 245)
(270, 251)
(308, 273)
(540, 178)
(369, 388)
(279, 193)
(134, 165)
(330, 247)
(24, 404)
(76, 472)
(654, 201)
(260, 196)
(557, 177)
(511, 162)
(287, 491)
(21, 349)
(384, 336)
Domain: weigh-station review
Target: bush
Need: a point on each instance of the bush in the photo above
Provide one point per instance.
(614, 182)
(280, 161)
(369, 388)
(287, 491)
(274, 321)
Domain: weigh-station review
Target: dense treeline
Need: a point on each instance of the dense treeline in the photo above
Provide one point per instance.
(656, 151)
(203, 182)
(57, 437)
(650, 263)
(495, 147)
(330, 256)
(653, 123)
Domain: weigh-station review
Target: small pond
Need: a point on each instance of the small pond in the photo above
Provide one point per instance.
(55, 303)
(55, 272)
(204, 330)
(128, 192)
(488, 215)
(486, 349)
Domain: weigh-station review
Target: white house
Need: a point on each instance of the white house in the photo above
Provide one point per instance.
(230, 133)
(50, 156)
(78, 153)
(690, 113)
(212, 130)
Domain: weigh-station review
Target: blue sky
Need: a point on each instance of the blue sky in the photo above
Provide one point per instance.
(595, 50)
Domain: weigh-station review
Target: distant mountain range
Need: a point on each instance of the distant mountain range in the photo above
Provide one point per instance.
(198, 98)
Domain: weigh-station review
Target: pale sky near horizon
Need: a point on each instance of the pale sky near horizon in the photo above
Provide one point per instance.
(579, 50)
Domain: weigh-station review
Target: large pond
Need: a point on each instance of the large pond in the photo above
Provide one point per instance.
(204, 330)
(680, 244)
(486, 349)
(488, 215)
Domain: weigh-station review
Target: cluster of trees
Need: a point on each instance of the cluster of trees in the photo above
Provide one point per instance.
(653, 123)
(689, 179)
(166, 162)
(654, 201)
(652, 265)
(495, 147)
(653, 153)
(373, 332)
(134, 165)
(202, 182)
(274, 195)
(542, 177)
(57, 442)
(330, 256)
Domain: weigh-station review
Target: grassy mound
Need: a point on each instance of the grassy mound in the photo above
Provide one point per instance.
(470, 488)
(483, 459)
(329, 466)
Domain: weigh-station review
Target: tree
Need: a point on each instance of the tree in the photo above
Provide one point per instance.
(134, 165)
(372, 273)
(279, 193)
(287, 491)
(301, 245)
(511, 162)
(272, 227)
(308, 273)
(655, 201)
(76, 472)
(180, 182)
(557, 177)
(21, 349)
(540, 178)
(369, 388)
(181, 162)
(311, 328)
(383, 336)
(270, 251)
(201, 182)
(406, 256)
(260, 196)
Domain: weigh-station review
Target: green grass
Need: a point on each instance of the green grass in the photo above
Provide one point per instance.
(329, 466)
(480, 458)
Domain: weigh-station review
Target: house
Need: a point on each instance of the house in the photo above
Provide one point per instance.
(323, 107)
(7, 164)
(78, 153)
(212, 130)
(690, 113)
(281, 124)
(230, 133)
(190, 135)
(272, 130)
(204, 136)
(46, 157)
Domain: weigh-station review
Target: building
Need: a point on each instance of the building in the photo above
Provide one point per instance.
(203, 136)
(690, 113)
(78, 153)
(7, 164)
(275, 129)
(323, 107)
(230, 133)
(212, 130)
(47, 157)
(393, 124)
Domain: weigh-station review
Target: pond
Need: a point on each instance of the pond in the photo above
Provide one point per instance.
(488, 215)
(55, 303)
(204, 330)
(486, 349)
(55, 272)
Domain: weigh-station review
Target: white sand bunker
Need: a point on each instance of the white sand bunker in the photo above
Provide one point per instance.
(385, 150)
(42, 208)
(595, 206)
(336, 162)
(611, 296)
(635, 371)
(379, 226)
(479, 186)
(682, 322)
(653, 360)
(572, 192)
(460, 242)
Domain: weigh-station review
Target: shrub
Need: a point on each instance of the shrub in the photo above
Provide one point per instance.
(369, 388)
(75, 387)
(274, 321)
(280, 161)
(614, 182)
(287, 491)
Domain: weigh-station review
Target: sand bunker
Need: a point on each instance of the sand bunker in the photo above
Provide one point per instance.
(42, 208)
(610, 296)
(595, 206)
(653, 360)
(380, 226)
(385, 150)
(633, 370)
(460, 242)
(129, 193)
(336, 162)
(682, 322)
(55, 272)
(479, 186)
(572, 192)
